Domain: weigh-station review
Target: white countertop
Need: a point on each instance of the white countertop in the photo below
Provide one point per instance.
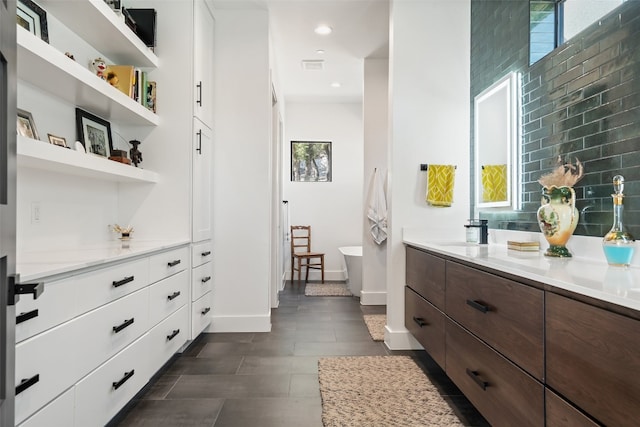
(585, 276)
(38, 264)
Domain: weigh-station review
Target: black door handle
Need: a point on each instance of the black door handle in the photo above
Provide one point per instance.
(118, 283)
(173, 263)
(206, 279)
(199, 149)
(476, 378)
(26, 383)
(173, 334)
(420, 321)
(127, 375)
(16, 288)
(173, 296)
(207, 253)
(205, 311)
(126, 323)
(199, 86)
(478, 306)
(23, 317)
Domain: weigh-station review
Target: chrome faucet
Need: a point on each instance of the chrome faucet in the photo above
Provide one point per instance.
(483, 225)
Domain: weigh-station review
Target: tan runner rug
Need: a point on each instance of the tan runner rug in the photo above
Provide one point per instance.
(376, 391)
(327, 290)
(376, 323)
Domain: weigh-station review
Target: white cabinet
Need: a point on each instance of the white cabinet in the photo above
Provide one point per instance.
(201, 287)
(203, 33)
(201, 182)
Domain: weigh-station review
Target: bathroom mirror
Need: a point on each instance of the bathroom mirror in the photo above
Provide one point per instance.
(496, 137)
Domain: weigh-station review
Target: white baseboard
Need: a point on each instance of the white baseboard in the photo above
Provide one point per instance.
(315, 275)
(240, 324)
(400, 340)
(373, 298)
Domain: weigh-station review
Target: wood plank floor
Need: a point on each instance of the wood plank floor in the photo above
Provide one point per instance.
(270, 379)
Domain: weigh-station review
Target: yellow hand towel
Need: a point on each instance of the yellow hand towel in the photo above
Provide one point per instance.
(441, 179)
(494, 183)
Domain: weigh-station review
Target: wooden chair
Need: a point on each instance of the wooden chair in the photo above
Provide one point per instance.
(301, 251)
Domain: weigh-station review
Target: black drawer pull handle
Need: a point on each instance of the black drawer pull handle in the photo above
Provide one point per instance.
(26, 383)
(126, 323)
(127, 375)
(476, 378)
(23, 317)
(173, 263)
(118, 283)
(205, 311)
(173, 334)
(420, 321)
(173, 295)
(207, 253)
(206, 279)
(478, 306)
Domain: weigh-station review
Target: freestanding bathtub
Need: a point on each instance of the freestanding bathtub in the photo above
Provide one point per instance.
(353, 262)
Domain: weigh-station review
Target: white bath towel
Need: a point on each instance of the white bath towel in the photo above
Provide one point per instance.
(377, 213)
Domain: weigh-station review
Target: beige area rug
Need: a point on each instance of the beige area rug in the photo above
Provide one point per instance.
(376, 323)
(377, 391)
(327, 290)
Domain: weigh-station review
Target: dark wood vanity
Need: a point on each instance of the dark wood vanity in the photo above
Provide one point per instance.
(523, 352)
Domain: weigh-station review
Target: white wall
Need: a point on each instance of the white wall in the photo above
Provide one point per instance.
(429, 123)
(376, 133)
(333, 209)
(241, 172)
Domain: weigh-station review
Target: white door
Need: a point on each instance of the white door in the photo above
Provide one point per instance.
(7, 208)
(201, 181)
(203, 28)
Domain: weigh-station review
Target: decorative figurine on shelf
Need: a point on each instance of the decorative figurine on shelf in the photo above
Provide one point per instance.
(99, 66)
(125, 232)
(134, 153)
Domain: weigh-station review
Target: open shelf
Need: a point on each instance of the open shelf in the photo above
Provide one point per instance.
(42, 155)
(98, 25)
(45, 67)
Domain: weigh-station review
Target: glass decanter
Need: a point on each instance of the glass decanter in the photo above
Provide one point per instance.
(618, 244)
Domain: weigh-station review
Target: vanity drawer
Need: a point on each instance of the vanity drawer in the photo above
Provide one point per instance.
(504, 394)
(57, 413)
(54, 306)
(561, 414)
(200, 314)
(49, 362)
(166, 338)
(112, 327)
(201, 253)
(108, 284)
(505, 314)
(167, 296)
(201, 281)
(592, 359)
(167, 263)
(425, 274)
(426, 324)
(101, 394)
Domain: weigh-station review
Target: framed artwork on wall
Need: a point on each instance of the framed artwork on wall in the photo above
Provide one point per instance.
(26, 125)
(311, 161)
(57, 140)
(94, 133)
(33, 18)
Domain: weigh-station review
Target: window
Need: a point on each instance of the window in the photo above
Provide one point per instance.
(310, 161)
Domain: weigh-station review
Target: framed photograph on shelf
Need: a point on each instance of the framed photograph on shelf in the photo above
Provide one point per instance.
(94, 133)
(25, 125)
(33, 18)
(57, 140)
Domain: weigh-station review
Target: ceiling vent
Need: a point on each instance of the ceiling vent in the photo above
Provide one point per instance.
(313, 65)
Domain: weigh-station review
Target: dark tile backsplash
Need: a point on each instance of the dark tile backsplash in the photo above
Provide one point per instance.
(582, 101)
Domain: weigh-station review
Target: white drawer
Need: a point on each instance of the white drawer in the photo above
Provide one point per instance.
(167, 337)
(55, 305)
(201, 253)
(112, 327)
(50, 361)
(200, 314)
(168, 295)
(58, 413)
(100, 395)
(167, 263)
(201, 281)
(110, 283)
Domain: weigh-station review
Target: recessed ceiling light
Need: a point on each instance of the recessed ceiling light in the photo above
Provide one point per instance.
(335, 84)
(323, 30)
(320, 51)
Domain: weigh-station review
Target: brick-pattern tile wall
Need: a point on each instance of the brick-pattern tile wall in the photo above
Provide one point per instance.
(580, 101)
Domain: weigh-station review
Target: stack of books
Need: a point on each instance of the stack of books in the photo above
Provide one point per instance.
(133, 82)
(523, 246)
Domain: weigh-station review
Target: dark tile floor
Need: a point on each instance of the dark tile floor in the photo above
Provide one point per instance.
(270, 379)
